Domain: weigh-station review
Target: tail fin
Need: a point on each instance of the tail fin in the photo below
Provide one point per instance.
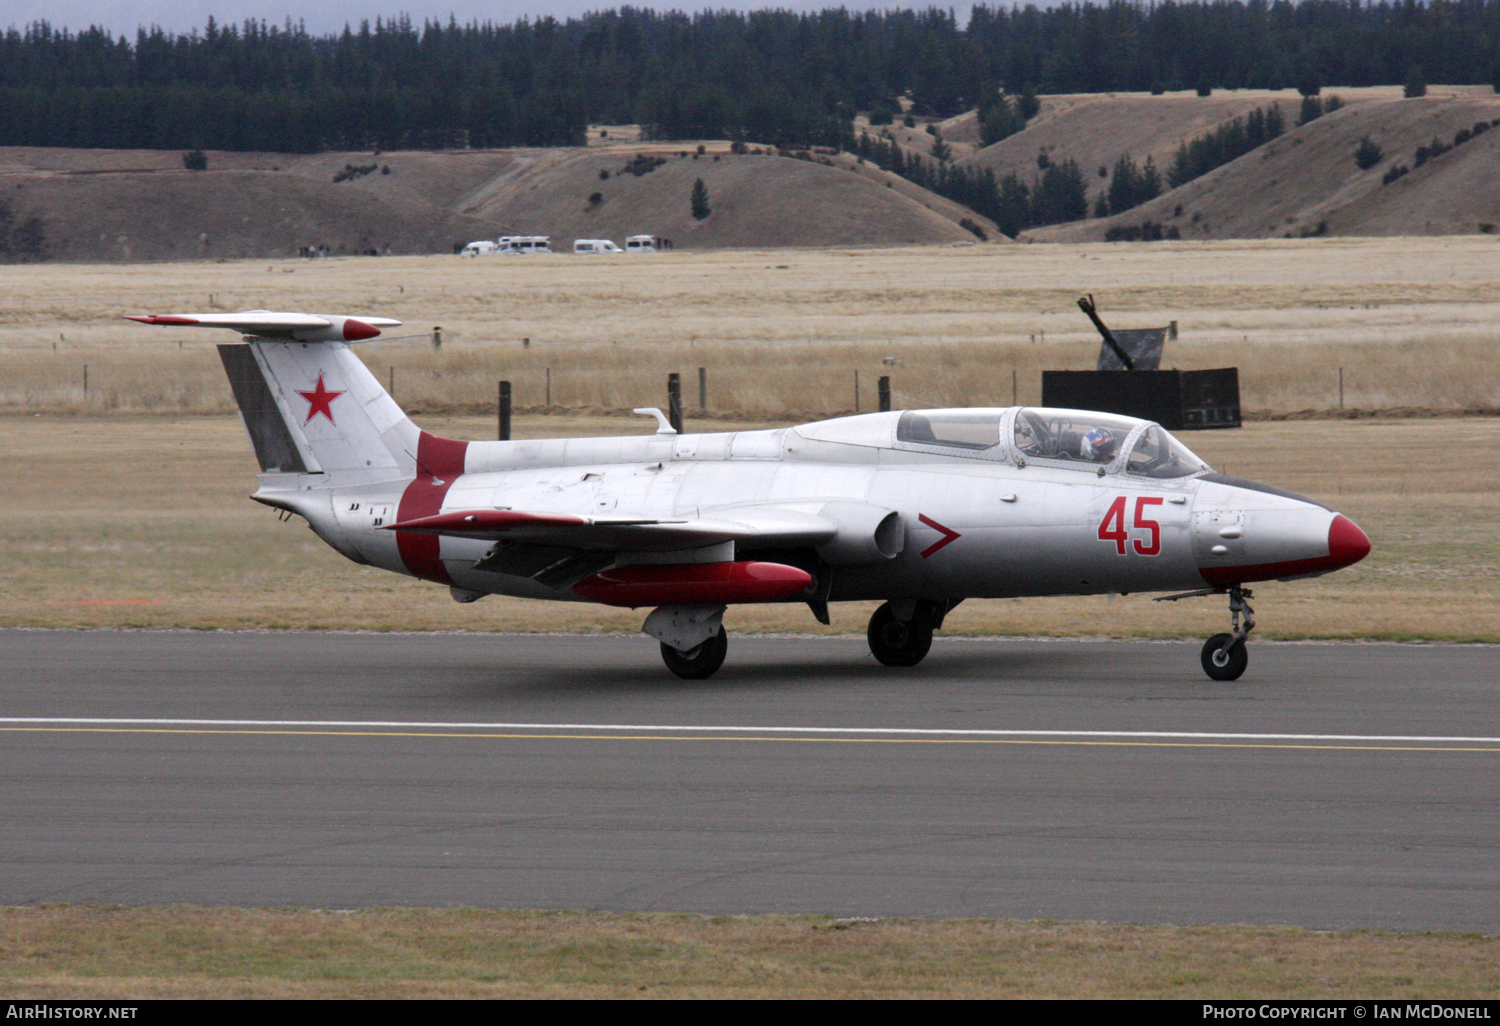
(314, 407)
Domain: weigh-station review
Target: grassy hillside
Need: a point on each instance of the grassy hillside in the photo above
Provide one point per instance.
(1307, 181)
(754, 201)
(1097, 129)
(125, 205)
(141, 205)
(227, 214)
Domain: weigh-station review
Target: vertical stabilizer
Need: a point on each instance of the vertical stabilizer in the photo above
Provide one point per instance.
(314, 407)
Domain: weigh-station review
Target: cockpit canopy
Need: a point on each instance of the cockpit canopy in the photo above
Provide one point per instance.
(964, 429)
(1087, 439)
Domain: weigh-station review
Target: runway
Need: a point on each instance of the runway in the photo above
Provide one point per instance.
(1332, 786)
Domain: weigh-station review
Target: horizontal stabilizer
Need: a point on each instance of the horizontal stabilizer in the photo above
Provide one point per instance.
(764, 525)
(295, 327)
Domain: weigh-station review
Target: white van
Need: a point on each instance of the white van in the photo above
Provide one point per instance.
(595, 246)
(482, 247)
(641, 244)
(525, 244)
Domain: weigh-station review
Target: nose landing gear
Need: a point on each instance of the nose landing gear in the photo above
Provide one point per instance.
(1224, 655)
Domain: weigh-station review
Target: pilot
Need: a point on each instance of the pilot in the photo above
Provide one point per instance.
(1098, 445)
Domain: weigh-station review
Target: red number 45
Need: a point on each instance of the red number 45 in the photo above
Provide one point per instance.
(1112, 527)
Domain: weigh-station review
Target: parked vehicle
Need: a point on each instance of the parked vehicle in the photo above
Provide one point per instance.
(480, 247)
(595, 246)
(525, 244)
(642, 244)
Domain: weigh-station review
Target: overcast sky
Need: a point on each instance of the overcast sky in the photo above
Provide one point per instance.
(123, 16)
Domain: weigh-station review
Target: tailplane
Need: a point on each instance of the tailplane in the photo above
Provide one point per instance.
(309, 404)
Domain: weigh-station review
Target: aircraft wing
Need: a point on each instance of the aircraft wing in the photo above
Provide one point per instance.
(763, 525)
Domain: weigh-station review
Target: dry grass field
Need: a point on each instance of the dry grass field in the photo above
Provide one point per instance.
(782, 333)
(80, 952)
(142, 521)
(127, 508)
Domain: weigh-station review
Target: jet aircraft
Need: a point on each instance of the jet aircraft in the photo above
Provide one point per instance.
(918, 509)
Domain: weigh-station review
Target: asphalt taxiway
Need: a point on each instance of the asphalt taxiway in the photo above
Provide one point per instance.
(1332, 786)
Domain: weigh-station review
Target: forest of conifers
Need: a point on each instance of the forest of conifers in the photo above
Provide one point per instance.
(770, 76)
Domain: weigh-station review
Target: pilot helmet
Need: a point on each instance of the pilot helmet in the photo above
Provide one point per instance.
(1098, 444)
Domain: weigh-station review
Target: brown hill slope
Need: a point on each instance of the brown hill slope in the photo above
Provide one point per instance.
(142, 205)
(1307, 181)
(1097, 129)
(212, 214)
(755, 201)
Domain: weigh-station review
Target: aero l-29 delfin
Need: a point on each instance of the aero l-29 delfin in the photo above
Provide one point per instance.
(919, 509)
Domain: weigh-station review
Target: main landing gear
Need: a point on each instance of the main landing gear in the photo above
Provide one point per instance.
(900, 632)
(699, 662)
(693, 642)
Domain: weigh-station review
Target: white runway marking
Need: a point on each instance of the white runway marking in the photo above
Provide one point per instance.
(36, 721)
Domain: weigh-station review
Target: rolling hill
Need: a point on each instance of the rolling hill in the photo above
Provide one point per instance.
(124, 205)
(1307, 182)
(98, 205)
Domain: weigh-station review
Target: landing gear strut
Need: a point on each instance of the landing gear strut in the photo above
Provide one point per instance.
(900, 632)
(1224, 655)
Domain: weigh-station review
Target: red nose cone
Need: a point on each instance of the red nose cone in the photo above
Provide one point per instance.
(356, 330)
(1347, 544)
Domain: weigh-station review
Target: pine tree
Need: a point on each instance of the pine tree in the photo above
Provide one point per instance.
(700, 199)
(1416, 82)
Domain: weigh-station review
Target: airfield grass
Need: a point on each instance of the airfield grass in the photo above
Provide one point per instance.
(124, 506)
(142, 521)
(782, 333)
(81, 952)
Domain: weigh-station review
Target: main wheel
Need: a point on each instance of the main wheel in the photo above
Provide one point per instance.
(698, 663)
(1222, 665)
(898, 642)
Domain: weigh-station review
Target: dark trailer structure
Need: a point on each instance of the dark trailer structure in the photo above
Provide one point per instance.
(1177, 400)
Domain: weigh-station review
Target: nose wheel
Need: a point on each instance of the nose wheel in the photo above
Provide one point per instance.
(1224, 655)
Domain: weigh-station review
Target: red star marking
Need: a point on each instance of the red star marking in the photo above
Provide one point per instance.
(320, 400)
(949, 535)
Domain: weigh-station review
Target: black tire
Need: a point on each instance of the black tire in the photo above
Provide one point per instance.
(1224, 665)
(898, 643)
(698, 663)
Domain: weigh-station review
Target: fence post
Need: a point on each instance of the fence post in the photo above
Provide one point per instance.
(437, 339)
(1341, 388)
(885, 394)
(856, 390)
(1013, 401)
(549, 386)
(85, 382)
(674, 401)
(505, 411)
(390, 381)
